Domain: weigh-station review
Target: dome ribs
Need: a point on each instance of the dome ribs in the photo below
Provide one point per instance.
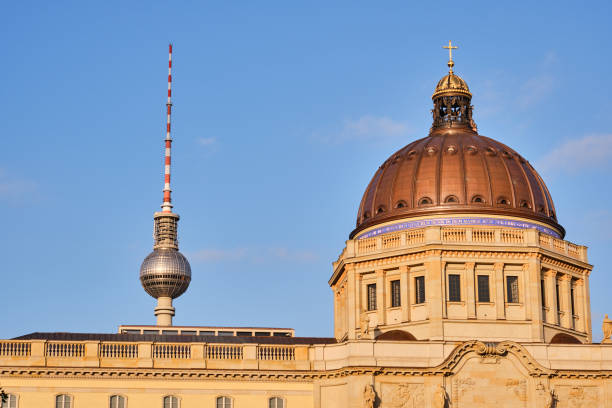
(462, 164)
(452, 178)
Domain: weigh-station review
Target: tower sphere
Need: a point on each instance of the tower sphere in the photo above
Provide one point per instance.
(165, 273)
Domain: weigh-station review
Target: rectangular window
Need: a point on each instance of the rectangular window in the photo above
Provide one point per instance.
(454, 288)
(543, 292)
(557, 297)
(372, 296)
(419, 289)
(395, 294)
(483, 288)
(512, 289)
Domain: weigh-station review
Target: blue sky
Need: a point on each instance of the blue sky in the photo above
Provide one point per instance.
(282, 113)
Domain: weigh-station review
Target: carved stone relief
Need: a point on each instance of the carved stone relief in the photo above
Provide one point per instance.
(480, 384)
(402, 396)
(578, 397)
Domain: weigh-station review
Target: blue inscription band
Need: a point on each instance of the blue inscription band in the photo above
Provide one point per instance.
(498, 222)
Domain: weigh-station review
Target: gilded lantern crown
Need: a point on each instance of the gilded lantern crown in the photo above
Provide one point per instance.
(451, 84)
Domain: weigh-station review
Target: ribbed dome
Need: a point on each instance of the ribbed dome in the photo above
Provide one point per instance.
(452, 171)
(451, 84)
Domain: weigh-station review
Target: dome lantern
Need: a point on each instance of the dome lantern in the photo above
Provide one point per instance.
(452, 99)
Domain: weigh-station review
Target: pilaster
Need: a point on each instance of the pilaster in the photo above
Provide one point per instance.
(434, 295)
(471, 296)
(381, 301)
(405, 292)
(500, 300)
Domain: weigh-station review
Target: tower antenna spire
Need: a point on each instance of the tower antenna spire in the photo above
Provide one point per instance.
(167, 204)
(165, 273)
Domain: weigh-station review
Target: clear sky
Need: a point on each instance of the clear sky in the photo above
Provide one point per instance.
(282, 113)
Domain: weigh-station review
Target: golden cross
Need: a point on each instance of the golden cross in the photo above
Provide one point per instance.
(450, 49)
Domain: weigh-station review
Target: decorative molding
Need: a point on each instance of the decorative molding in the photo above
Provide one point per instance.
(456, 221)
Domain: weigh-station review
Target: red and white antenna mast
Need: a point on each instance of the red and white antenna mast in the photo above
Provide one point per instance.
(167, 204)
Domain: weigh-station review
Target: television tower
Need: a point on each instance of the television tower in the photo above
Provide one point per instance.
(165, 273)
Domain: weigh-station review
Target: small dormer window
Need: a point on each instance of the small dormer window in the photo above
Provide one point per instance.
(425, 201)
(525, 204)
(503, 201)
(478, 199)
(401, 204)
(380, 210)
(451, 199)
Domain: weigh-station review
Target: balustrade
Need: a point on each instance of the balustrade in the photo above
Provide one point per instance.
(282, 353)
(119, 350)
(171, 350)
(65, 349)
(15, 349)
(224, 352)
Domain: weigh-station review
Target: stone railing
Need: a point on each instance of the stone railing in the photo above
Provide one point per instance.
(282, 353)
(119, 350)
(224, 352)
(14, 348)
(149, 354)
(469, 235)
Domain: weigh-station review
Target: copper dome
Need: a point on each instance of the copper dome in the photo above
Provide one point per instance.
(455, 170)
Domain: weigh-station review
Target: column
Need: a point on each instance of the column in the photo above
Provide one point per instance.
(500, 300)
(528, 289)
(352, 302)
(586, 298)
(405, 292)
(443, 288)
(550, 279)
(471, 295)
(565, 304)
(434, 295)
(533, 298)
(579, 304)
(381, 298)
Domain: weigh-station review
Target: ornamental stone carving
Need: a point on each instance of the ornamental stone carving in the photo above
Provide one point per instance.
(369, 396)
(402, 395)
(439, 398)
(606, 327)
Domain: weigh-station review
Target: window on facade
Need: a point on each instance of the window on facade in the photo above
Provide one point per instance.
(543, 293)
(11, 401)
(170, 401)
(512, 289)
(395, 294)
(117, 401)
(483, 288)
(63, 401)
(224, 402)
(557, 297)
(419, 289)
(276, 402)
(454, 288)
(372, 296)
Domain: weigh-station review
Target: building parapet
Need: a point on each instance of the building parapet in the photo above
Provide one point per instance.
(316, 357)
(501, 237)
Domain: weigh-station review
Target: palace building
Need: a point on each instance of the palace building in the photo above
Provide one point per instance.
(456, 289)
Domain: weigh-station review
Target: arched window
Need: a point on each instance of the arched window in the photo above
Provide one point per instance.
(117, 401)
(224, 402)
(451, 199)
(11, 401)
(380, 210)
(170, 401)
(478, 199)
(276, 402)
(63, 401)
(503, 201)
(401, 204)
(425, 201)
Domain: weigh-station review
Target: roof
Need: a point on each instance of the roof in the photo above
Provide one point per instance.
(62, 336)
